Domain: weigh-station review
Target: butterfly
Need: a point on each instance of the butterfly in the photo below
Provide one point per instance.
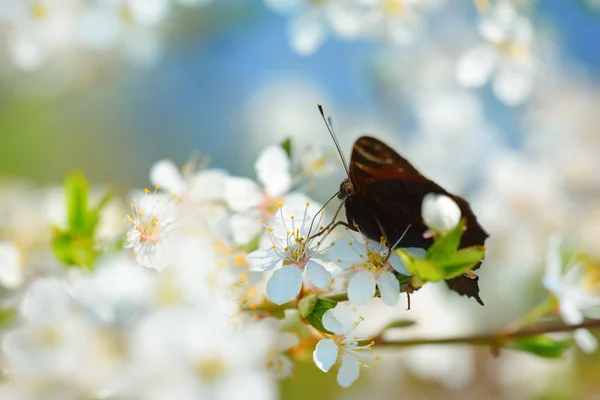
(383, 195)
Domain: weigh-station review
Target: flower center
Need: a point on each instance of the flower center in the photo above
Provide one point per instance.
(269, 206)
(38, 11)
(591, 279)
(149, 231)
(211, 368)
(392, 7)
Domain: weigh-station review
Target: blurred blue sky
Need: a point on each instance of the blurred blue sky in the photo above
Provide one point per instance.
(192, 98)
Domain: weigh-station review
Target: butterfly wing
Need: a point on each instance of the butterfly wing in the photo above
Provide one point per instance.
(388, 192)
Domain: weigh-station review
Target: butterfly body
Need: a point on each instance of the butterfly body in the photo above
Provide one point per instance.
(383, 197)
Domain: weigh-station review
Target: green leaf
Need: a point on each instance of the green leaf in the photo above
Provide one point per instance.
(74, 251)
(403, 279)
(401, 323)
(77, 193)
(425, 270)
(446, 245)
(315, 318)
(542, 345)
(460, 262)
(287, 146)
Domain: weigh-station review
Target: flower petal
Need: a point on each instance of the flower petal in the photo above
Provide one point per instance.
(349, 371)
(345, 253)
(273, 170)
(263, 260)
(552, 274)
(361, 287)
(284, 284)
(396, 262)
(242, 194)
(474, 68)
(11, 266)
(317, 274)
(287, 340)
(245, 227)
(166, 175)
(440, 212)
(325, 354)
(307, 33)
(513, 84)
(389, 288)
(331, 323)
(585, 340)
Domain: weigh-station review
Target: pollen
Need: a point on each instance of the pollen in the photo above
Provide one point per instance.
(308, 204)
(239, 260)
(38, 10)
(146, 190)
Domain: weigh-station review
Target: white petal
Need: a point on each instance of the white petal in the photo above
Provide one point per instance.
(325, 354)
(317, 274)
(349, 371)
(148, 12)
(513, 84)
(331, 323)
(245, 227)
(396, 262)
(440, 212)
(361, 287)
(474, 68)
(166, 175)
(208, 184)
(585, 340)
(27, 52)
(389, 288)
(552, 274)
(345, 253)
(307, 32)
(46, 301)
(287, 340)
(11, 266)
(263, 260)
(273, 171)
(242, 194)
(284, 284)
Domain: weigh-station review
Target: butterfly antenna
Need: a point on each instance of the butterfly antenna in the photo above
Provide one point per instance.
(401, 237)
(321, 209)
(334, 137)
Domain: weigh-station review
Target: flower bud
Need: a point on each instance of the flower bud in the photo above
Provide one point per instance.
(440, 212)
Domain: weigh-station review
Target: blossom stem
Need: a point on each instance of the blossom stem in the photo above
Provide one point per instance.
(290, 305)
(495, 339)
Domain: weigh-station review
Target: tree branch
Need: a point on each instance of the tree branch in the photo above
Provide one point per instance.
(490, 339)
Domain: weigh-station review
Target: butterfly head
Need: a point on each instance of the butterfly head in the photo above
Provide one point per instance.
(346, 189)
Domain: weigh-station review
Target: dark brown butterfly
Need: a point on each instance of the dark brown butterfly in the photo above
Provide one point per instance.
(383, 195)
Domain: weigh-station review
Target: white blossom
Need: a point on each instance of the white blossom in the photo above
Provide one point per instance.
(343, 345)
(440, 213)
(577, 291)
(505, 58)
(11, 265)
(150, 222)
(372, 267)
(294, 250)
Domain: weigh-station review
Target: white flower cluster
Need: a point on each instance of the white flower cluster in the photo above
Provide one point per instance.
(35, 29)
(397, 21)
(504, 56)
